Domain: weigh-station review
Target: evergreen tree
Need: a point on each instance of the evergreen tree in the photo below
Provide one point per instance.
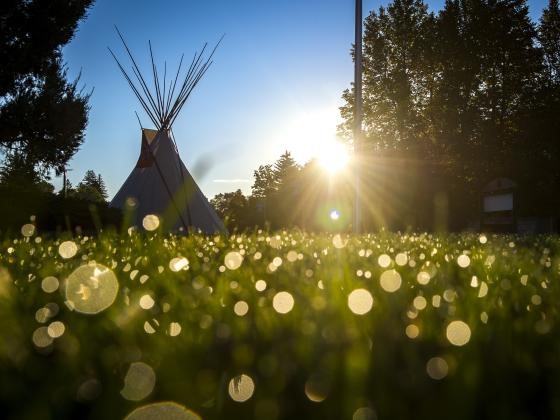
(42, 116)
(91, 189)
(285, 170)
(549, 38)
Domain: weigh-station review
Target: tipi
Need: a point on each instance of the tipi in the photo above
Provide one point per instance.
(160, 184)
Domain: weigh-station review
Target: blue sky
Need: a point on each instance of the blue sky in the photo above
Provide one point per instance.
(275, 84)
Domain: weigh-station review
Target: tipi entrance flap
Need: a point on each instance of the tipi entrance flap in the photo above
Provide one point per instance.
(145, 160)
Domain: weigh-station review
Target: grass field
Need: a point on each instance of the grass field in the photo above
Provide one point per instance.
(284, 325)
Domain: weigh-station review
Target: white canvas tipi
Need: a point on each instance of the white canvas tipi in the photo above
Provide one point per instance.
(160, 184)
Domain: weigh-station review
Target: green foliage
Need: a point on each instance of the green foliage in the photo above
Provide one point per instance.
(91, 188)
(549, 38)
(464, 97)
(285, 194)
(232, 208)
(503, 288)
(42, 116)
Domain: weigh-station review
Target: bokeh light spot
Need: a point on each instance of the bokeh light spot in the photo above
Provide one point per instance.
(360, 301)
(384, 261)
(28, 230)
(91, 288)
(179, 263)
(67, 249)
(233, 260)
(241, 308)
(241, 388)
(146, 302)
(139, 382)
(339, 242)
(437, 368)
(463, 261)
(458, 333)
(316, 389)
(260, 285)
(390, 281)
(423, 278)
(283, 302)
(412, 331)
(49, 284)
(150, 222)
(364, 413)
(56, 329)
(166, 410)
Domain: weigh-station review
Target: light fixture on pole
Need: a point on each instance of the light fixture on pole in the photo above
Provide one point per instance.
(357, 116)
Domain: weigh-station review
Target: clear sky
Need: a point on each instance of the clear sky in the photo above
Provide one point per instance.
(275, 84)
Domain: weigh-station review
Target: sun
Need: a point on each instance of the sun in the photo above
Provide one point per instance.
(333, 157)
(311, 135)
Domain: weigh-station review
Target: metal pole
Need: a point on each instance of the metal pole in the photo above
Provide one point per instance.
(64, 181)
(358, 113)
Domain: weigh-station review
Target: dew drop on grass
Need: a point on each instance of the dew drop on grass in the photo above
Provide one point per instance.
(68, 249)
(437, 368)
(163, 411)
(150, 222)
(364, 413)
(412, 331)
(28, 230)
(384, 261)
(401, 259)
(146, 302)
(41, 337)
(419, 302)
(260, 285)
(174, 329)
(56, 329)
(483, 290)
(49, 284)
(283, 302)
(339, 242)
(139, 382)
(390, 281)
(292, 256)
(241, 388)
(316, 389)
(241, 308)
(360, 301)
(91, 289)
(179, 263)
(423, 278)
(463, 261)
(458, 333)
(233, 260)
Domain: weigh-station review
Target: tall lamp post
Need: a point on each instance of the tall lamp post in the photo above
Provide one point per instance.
(358, 112)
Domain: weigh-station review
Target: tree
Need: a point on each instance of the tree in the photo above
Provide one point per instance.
(232, 208)
(42, 116)
(264, 184)
(397, 77)
(285, 170)
(549, 38)
(91, 188)
(18, 178)
(451, 97)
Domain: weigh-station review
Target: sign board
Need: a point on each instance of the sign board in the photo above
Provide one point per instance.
(499, 202)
